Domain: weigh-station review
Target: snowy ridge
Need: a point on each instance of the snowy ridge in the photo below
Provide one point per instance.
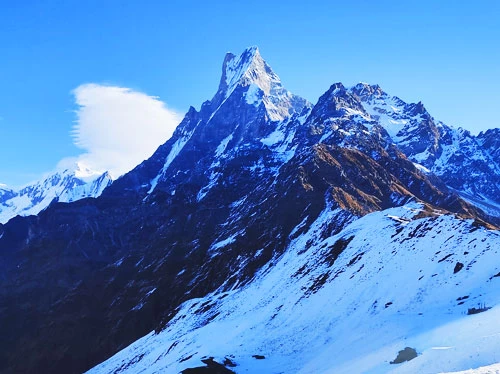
(64, 186)
(463, 161)
(489, 369)
(281, 314)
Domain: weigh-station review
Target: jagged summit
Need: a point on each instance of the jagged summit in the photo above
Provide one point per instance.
(338, 101)
(250, 110)
(246, 69)
(365, 90)
(253, 78)
(417, 109)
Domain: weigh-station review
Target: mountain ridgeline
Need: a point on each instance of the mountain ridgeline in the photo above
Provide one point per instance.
(222, 201)
(65, 185)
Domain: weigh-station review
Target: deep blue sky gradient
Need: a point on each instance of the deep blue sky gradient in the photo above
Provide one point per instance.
(444, 53)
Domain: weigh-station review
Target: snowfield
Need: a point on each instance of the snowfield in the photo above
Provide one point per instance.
(347, 303)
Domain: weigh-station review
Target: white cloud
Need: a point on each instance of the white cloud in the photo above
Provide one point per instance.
(118, 127)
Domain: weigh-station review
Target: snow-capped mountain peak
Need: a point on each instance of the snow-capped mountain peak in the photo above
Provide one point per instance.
(467, 163)
(247, 69)
(248, 85)
(251, 76)
(65, 185)
(85, 172)
(338, 101)
(365, 90)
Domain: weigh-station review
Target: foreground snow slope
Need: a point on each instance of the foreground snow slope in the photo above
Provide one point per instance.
(489, 369)
(346, 303)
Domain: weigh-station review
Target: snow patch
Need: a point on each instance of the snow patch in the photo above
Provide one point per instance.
(273, 138)
(223, 145)
(225, 242)
(253, 95)
(174, 152)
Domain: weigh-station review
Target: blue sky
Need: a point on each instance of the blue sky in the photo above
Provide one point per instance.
(444, 53)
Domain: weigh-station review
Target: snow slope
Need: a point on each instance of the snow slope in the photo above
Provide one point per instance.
(489, 369)
(346, 303)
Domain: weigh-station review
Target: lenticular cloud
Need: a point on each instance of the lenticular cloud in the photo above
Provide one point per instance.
(118, 127)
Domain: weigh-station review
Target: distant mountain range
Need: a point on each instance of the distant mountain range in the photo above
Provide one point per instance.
(269, 235)
(64, 185)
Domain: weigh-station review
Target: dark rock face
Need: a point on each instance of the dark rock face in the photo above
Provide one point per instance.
(404, 355)
(211, 367)
(213, 205)
(6, 194)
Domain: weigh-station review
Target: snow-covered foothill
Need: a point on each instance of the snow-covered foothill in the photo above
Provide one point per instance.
(346, 303)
